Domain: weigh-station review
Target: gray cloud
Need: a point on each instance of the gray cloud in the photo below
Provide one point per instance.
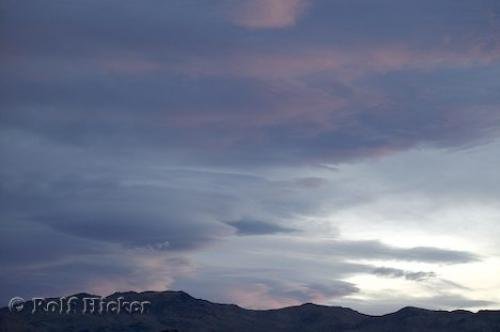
(376, 250)
(31, 244)
(132, 215)
(98, 273)
(256, 227)
(398, 273)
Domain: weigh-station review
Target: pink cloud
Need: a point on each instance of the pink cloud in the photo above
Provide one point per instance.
(349, 64)
(257, 296)
(261, 14)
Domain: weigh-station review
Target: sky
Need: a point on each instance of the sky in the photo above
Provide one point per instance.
(259, 152)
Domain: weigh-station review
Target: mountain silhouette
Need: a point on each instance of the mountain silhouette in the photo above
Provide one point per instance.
(177, 311)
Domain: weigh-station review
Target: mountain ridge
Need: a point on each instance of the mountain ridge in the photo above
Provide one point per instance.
(179, 311)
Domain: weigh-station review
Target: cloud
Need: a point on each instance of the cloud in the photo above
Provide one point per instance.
(49, 262)
(282, 270)
(268, 14)
(219, 95)
(132, 216)
(311, 182)
(265, 295)
(41, 245)
(375, 250)
(430, 254)
(249, 121)
(79, 210)
(262, 290)
(256, 227)
(398, 273)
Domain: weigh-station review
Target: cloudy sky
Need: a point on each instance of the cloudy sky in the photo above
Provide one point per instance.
(259, 152)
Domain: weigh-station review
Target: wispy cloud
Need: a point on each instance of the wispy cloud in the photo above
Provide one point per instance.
(398, 273)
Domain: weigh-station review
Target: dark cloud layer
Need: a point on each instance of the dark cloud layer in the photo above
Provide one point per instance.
(194, 84)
